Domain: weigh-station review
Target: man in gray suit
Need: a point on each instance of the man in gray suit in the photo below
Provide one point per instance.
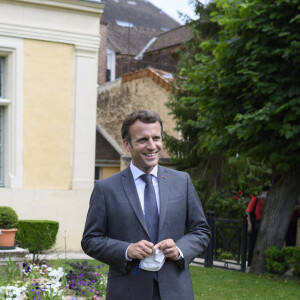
(117, 230)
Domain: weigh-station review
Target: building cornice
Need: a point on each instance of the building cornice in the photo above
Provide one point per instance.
(81, 41)
(65, 21)
(86, 6)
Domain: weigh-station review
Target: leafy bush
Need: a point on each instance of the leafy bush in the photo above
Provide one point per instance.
(225, 255)
(37, 235)
(292, 257)
(8, 218)
(275, 261)
(228, 205)
(279, 261)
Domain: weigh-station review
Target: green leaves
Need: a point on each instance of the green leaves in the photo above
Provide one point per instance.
(240, 90)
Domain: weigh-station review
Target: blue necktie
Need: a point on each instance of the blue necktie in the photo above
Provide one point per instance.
(150, 206)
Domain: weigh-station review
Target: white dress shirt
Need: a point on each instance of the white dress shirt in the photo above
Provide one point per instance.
(140, 184)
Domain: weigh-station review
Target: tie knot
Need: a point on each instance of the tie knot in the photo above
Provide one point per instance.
(147, 178)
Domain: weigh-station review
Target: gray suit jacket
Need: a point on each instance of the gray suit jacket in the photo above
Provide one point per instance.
(115, 220)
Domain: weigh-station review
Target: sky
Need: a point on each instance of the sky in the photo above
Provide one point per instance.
(171, 7)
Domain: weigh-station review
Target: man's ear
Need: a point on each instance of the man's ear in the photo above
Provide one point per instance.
(126, 145)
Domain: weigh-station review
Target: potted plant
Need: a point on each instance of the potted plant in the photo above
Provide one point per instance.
(8, 223)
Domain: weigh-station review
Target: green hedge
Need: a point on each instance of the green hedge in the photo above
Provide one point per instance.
(37, 235)
(279, 261)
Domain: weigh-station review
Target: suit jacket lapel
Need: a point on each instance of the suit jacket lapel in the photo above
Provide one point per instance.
(132, 196)
(163, 195)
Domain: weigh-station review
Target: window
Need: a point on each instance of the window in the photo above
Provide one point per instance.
(11, 112)
(110, 64)
(1, 122)
(124, 23)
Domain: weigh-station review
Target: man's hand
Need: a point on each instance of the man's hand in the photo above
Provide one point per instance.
(140, 250)
(169, 248)
(249, 228)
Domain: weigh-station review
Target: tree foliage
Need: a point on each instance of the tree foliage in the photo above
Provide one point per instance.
(245, 87)
(203, 107)
(239, 94)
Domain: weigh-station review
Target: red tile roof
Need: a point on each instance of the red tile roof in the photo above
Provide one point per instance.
(160, 77)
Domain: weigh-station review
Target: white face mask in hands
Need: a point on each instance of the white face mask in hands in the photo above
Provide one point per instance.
(153, 262)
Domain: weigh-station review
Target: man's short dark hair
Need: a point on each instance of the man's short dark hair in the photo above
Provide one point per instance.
(145, 115)
(265, 188)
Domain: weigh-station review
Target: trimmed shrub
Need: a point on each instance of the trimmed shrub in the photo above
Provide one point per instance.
(279, 261)
(275, 261)
(292, 256)
(37, 235)
(8, 218)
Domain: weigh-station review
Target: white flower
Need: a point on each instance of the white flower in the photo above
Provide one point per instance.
(11, 292)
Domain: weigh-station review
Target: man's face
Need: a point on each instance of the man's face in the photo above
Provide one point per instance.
(146, 143)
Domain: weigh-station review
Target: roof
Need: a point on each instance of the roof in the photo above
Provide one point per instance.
(106, 147)
(171, 38)
(140, 13)
(160, 77)
(130, 40)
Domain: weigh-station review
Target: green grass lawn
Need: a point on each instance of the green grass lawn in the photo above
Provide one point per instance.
(218, 284)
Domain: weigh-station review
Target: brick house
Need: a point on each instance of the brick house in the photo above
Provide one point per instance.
(164, 51)
(127, 29)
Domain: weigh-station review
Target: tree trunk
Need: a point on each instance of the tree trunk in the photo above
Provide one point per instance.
(276, 218)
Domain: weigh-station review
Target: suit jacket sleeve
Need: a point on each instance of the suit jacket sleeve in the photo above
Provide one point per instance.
(198, 233)
(95, 242)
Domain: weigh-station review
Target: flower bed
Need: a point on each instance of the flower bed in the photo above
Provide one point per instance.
(41, 281)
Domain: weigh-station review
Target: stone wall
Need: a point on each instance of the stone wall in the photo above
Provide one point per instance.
(117, 99)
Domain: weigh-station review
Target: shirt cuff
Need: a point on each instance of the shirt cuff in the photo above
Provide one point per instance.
(126, 256)
(180, 254)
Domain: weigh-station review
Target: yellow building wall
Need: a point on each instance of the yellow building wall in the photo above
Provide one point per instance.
(47, 114)
(108, 171)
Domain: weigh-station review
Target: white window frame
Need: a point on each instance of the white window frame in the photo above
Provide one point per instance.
(11, 50)
(111, 63)
(1, 122)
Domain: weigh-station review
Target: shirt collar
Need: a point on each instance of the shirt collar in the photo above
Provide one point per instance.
(136, 172)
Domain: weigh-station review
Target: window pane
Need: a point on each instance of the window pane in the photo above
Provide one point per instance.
(1, 122)
(1, 145)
